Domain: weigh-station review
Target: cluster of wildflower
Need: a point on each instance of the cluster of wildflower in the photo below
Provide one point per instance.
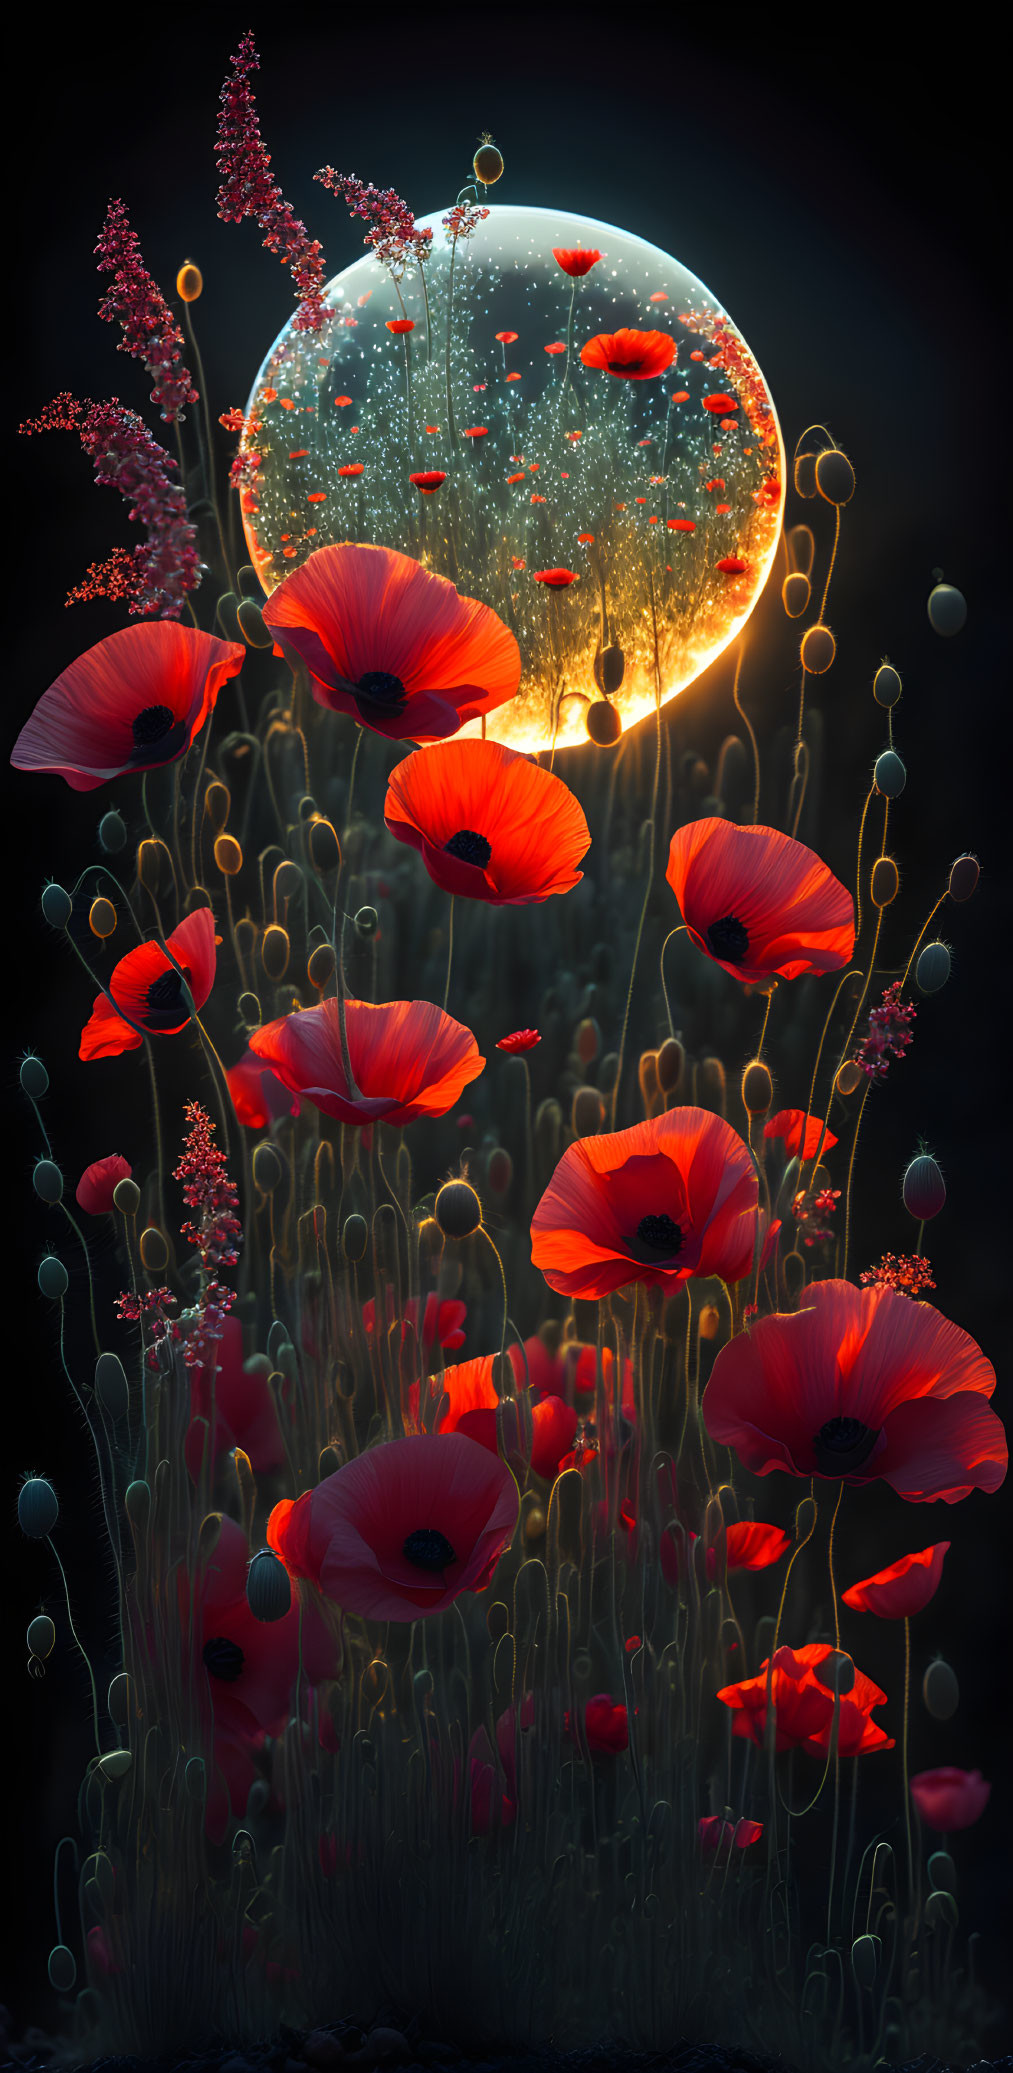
(153, 1306)
(812, 1210)
(135, 301)
(247, 189)
(392, 232)
(888, 1035)
(908, 1273)
(126, 457)
(243, 468)
(214, 1231)
(464, 217)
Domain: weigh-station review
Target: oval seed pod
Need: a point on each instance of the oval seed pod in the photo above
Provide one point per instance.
(189, 282)
(53, 1278)
(153, 1247)
(102, 918)
(941, 1868)
(884, 884)
(587, 1040)
(669, 1064)
(228, 855)
(250, 1009)
(924, 1189)
(41, 1636)
(354, 1237)
(964, 875)
(886, 685)
(817, 650)
(849, 1077)
(286, 884)
(457, 1209)
(889, 775)
(805, 475)
(112, 832)
(217, 801)
(268, 1590)
(120, 1698)
(251, 625)
(227, 615)
(137, 1504)
(47, 1180)
(711, 1084)
(115, 1764)
(647, 1073)
(487, 163)
(603, 723)
(57, 906)
(323, 846)
(249, 581)
(940, 1690)
(62, 1968)
(941, 1910)
(274, 952)
(757, 1088)
(588, 1112)
(38, 1507)
(609, 669)
(947, 609)
(835, 476)
(500, 1170)
(320, 968)
(933, 968)
(111, 1385)
(34, 1078)
(127, 1196)
(865, 1961)
(267, 1168)
(796, 591)
(154, 864)
(709, 1321)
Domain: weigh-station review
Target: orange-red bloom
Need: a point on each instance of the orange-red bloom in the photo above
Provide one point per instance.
(716, 1834)
(133, 701)
(400, 324)
(428, 480)
(671, 1198)
(636, 355)
(759, 903)
(470, 1407)
(557, 579)
(507, 337)
(351, 468)
(804, 1707)
(803, 1135)
(392, 643)
(487, 823)
(574, 260)
(903, 1589)
(147, 987)
(518, 1041)
(860, 1383)
(947, 1798)
(408, 1059)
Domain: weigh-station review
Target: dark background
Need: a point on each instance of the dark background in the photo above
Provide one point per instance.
(837, 194)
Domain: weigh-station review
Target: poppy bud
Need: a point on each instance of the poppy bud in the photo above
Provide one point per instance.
(34, 1078)
(102, 918)
(137, 1504)
(669, 1064)
(837, 1672)
(217, 800)
(647, 1073)
(947, 609)
(795, 594)
(457, 1209)
(250, 1010)
(712, 1085)
(699, 776)
(940, 1690)
(320, 968)
(941, 1868)
(534, 1523)
(115, 1764)
(228, 855)
(268, 1590)
(227, 615)
(588, 1112)
(366, 923)
(267, 1168)
(111, 1385)
(609, 669)
(924, 1189)
(889, 775)
(47, 1180)
(548, 1126)
(488, 162)
(355, 1237)
(885, 882)
(154, 865)
(249, 581)
(251, 625)
(274, 951)
(818, 649)
(153, 1247)
(835, 476)
(324, 847)
(57, 906)
(119, 1699)
(587, 1037)
(112, 833)
(62, 1968)
(286, 884)
(53, 1278)
(500, 1170)
(865, 1961)
(604, 724)
(849, 1077)
(805, 475)
(963, 878)
(41, 1636)
(709, 1321)
(886, 685)
(189, 282)
(757, 1089)
(940, 1909)
(38, 1507)
(933, 967)
(127, 1197)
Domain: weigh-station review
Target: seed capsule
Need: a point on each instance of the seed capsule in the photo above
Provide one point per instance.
(889, 775)
(34, 1078)
(947, 609)
(249, 581)
(757, 1089)
(709, 1322)
(805, 475)
(154, 864)
(115, 1765)
(488, 163)
(886, 685)
(320, 968)
(62, 1968)
(500, 1170)
(849, 1077)
(41, 1636)
(250, 1010)
(154, 1249)
(796, 591)
(609, 669)
(112, 833)
(267, 1168)
(274, 952)
(669, 1064)
(457, 1209)
(924, 1188)
(818, 649)
(885, 882)
(647, 1074)
(189, 282)
(217, 800)
(127, 1197)
(102, 918)
(933, 968)
(588, 1112)
(57, 906)
(38, 1507)
(964, 876)
(865, 1961)
(228, 855)
(111, 1385)
(251, 625)
(940, 1909)
(940, 1690)
(604, 724)
(324, 847)
(47, 1180)
(354, 1237)
(53, 1278)
(227, 615)
(268, 1590)
(835, 476)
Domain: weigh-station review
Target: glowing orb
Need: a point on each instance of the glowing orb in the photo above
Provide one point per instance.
(615, 494)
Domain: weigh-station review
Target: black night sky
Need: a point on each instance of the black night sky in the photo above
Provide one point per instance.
(838, 194)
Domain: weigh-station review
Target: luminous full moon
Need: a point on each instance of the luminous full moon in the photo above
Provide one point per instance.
(622, 495)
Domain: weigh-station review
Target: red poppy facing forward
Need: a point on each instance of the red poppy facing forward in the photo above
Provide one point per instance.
(428, 481)
(487, 823)
(556, 579)
(408, 1059)
(636, 355)
(668, 1199)
(803, 1135)
(758, 903)
(903, 1589)
(94, 1191)
(804, 1706)
(391, 643)
(148, 988)
(574, 260)
(401, 1531)
(133, 701)
(947, 1798)
(399, 325)
(860, 1383)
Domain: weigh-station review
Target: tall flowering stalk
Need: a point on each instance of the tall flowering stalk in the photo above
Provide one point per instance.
(247, 188)
(215, 1230)
(392, 232)
(136, 303)
(463, 220)
(889, 1033)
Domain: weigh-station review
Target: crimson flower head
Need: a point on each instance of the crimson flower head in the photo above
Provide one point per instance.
(427, 481)
(507, 337)
(715, 1834)
(94, 1191)
(258, 1096)
(804, 1705)
(399, 325)
(606, 1725)
(759, 903)
(488, 823)
(802, 1135)
(247, 188)
(147, 986)
(902, 1589)
(518, 1041)
(470, 1402)
(393, 644)
(659, 1203)
(635, 355)
(556, 579)
(408, 1059)
(574, 260)
(860, 1384)
(132, 702)
(947, 1798)
(401, 1531)
(150, 331)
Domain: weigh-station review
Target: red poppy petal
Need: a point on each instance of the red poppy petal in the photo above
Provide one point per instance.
(943, 1448)
(82, 727)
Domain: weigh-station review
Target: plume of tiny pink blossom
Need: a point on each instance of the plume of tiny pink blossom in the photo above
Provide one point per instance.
(246, 188)
(136, 303)
(152, 1306)
(392, 233)
(908, 1273)
(888, 1035)
(215, 1230)
(464, 217)
(157, 576)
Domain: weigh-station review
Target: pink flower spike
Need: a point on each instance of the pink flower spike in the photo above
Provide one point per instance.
(135, 301)
(247, 189)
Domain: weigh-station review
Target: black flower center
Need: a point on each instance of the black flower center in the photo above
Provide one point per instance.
(156, 729)
(469, 847)
(728, 939)
(625, 366)
(166, 1007)
(378, 688)
(428, 1548)
(842, 1445)
(660, 1234)
(223, 1658)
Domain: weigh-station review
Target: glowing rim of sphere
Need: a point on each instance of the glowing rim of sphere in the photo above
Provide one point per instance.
(634, 707)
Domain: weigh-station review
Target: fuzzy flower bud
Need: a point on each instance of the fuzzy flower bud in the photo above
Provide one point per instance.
(924, 1188)
(38, 1507)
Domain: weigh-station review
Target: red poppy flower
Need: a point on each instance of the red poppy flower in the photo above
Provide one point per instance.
(507, 337)
(428, 480)
(352, 467)
(133, 701)
(947, 1798)
(258, 1096)
(408, 1059)
(789, 1124)
(402, 1530)
(392, 643)
(860, 1383)
(681, 525)
(520, 1040)
(557, 579)
(719, 404)
(668, 1199)
(475, 431)
(574, 260)
(487, 823)
(94, 1191)
(400, 324)
(759, 903)
(146, 985)
(558, 346)
(471, 1409)
(804, 1707)
(716, 1834)
(903, 1589)
(750, 1544)
(731, 564)
(606, 1725)
(441, 1321)
(637, 355)
(245, 1411)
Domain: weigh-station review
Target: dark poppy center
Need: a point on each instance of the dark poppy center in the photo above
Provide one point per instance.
(843, 1444)
(152, 725)
(728, 939)
(428, 1548)
(469, 847)
(166, 1007)
(378, 687)
(223, 1658)
(625, 366)
(661, 1234)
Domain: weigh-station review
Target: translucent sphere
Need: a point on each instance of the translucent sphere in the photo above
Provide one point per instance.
(641, 474)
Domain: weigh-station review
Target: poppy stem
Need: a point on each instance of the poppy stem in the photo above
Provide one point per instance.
(490, 1241)
(923, 932)
(209, 465)
(679, 931)
(913, 1897)
(652, 825)
(847, 1190)
(851, 974)
(450, 953)
(75, 1226)
(84, 1652)
(451, 429)
(747, 723)
(569, 343)
(858, 863)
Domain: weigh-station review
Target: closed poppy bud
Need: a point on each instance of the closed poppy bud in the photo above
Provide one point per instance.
(709, 1323)
(127, 1197)
(217, 800)
(137, 1504)
(941, 1868)
(757, 1089)
(849, 1077)
(885, 882)
(940, 1690)
(53, 1278)
(587, 1040)
(933, 968)
(805, 475)
(604, 724)
(189, 282)
(153, 1247)
(457, 1209)
(354, 1237)
(112, 833)
(286, 884)
(647, 1073)
(323, 846)
(889, 775)
(924, 1188)
(111, 1385)
(251, 625)
(320, 968)
(47, 1180)
(248, 580)
(712, 1085)
(669, 1064)
(41, 1636)
(963, 878)
(268, 1590)
(534, 1523)
(548, 1127)
(62, 1968)
(795, 594)
(57, 906)
(588, 1112)
(500, 1170)
(266, 1168)
(115, 1764)
(818, 649)
(34, 1078)
(865, 1961)
(488, 163)
(835, 476)
(886, 685)
(274, 951)
(154, 865)
(609, 669)
(249, 1008)
(947, 609)
(941, 1909)
(38, 1507)
(102, 918)
(366, 923)
(228, 855)
(227, 615)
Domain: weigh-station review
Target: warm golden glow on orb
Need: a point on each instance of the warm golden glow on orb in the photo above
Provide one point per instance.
(596, 453)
